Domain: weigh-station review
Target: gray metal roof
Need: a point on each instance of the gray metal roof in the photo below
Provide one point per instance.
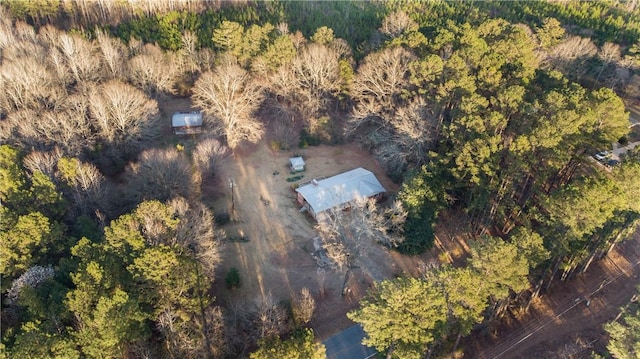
(348, 345)
(296, 161)
(186, 119)
(340, 189)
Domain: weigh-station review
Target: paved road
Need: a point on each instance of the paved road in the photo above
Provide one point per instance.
(347, 345)
(620, 150)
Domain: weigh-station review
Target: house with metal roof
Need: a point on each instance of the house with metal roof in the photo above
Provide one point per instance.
(339, 191)
(186, 123)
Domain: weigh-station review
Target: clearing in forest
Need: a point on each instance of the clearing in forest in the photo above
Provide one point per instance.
(271, 242)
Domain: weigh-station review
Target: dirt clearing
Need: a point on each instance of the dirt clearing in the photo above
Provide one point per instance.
(271, 242)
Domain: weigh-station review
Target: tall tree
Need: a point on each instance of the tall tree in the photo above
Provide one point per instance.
(624, 332)
(301, 345)
(87, 186)
(122, 113)
(402, 317)
(316, 76)
(153, 70)
(231, 96)
(26, 242)
(502, 268)
(550, 33)
(158, 175)
(466, 300)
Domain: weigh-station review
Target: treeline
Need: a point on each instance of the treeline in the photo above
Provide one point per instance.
(603, 21)
(156, 21)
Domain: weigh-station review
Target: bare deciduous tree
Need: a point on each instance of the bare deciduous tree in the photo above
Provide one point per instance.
(26, 83)
(49, 35)
(267, 316)
(158, 174)
(59, 65)
(196, 233)
(122, 113)
(88, 186)
(405, 137)
(189, 55)
(316, 75)
(384, 226)
(571, 54)
(231, 96)
(379, 82)
(303, 306)
(330, 230)
(180, 336)
(345, 234)
(25, 32)
(208, 156)
(65, 127)
(7, 35)
(196, 337)
(283, 28)
(397, 23)
(609, 54)
(81, 57)
(153, 70)
(214, 331)
(401, 131)
(113, 53)
(44, 162)
(252, 320)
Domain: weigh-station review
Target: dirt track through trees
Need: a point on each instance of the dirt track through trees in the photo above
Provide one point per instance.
(561, 324)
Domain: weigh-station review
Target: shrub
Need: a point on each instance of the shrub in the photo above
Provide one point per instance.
(275, 145)
(418, 233)
(233, 279)
(307, 139)
(623, 141)
(222, 218)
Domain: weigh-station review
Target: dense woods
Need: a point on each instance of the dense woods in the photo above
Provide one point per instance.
(483, 110)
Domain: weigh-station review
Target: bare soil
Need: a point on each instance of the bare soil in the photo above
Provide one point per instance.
(271, 243)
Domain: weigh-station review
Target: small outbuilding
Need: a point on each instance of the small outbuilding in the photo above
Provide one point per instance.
(339, 191)
(186, 123)
(296, 164)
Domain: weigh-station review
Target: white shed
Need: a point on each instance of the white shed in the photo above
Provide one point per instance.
(296, 164)
(338, 191)
(185, 123)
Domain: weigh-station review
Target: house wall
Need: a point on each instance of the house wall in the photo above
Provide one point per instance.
(186, 130)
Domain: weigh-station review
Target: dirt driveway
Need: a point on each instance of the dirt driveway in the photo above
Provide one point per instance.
(277, 256)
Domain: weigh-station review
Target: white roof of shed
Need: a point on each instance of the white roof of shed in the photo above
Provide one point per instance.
(186, 119)
(296, 161)
(340, 189)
